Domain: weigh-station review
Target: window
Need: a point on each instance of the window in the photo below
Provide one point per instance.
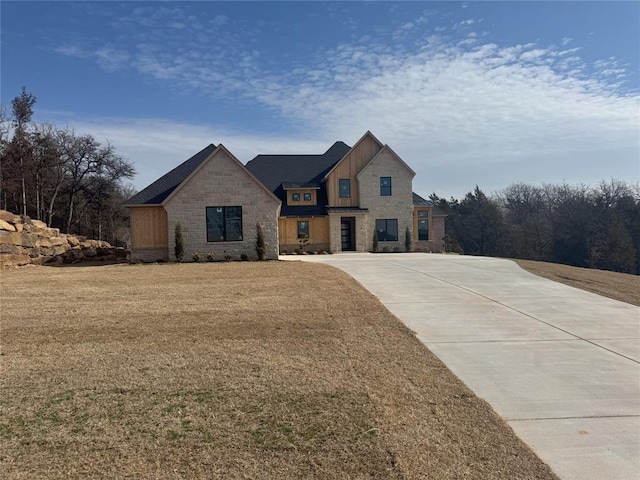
(387, 230)
(423, 225)
(303, 229)
(345, 188)
(224, 224)
(385, 186)
(307, 197)
(295, 197)
(423, 229)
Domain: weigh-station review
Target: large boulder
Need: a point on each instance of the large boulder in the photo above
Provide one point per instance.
(56, 241)
(31, 228)
(39, 224)
(12, 238)
(73, 240)
(4, 225)
(28, 239)
(44, 242)
(14, 259)
(24, 241)
(10, 217)
(10, 248)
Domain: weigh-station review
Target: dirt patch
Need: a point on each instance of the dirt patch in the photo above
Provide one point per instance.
(240, 370)
(620, 286)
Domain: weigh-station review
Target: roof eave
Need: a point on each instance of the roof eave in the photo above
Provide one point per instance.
(367, 134)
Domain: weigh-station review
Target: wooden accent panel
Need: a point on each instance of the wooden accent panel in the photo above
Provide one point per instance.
(149, 227)
(318, 230)
(357, 158)
(301, 192)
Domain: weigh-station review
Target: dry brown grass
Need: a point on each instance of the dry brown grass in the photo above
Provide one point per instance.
(240, 370)
(620, 286)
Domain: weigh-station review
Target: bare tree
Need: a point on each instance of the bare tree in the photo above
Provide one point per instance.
(22, 109)
(90, 167)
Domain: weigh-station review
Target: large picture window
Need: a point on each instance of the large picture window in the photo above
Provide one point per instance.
(345, 188)
(303, 229)
(385, 186)
(224, 224)
(387, 230)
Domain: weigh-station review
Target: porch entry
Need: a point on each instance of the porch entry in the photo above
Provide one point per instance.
(348, 233)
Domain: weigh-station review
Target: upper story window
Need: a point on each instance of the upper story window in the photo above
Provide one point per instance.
(224, 224)
(385, 186)
(295, 197)
(345, 188)
(307, 197)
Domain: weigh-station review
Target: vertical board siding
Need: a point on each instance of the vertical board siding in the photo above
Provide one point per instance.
(318, 231)
(349, 168)
(149, 227)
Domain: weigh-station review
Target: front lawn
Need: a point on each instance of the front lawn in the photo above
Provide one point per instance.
(230, 370)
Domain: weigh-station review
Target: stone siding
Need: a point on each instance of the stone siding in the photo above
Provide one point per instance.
(361, 228)
(222, 182)
(399, 205)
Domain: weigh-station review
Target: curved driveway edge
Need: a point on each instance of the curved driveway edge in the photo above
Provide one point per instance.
(560, 365)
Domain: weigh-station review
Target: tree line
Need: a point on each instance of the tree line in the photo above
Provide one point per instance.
(585, 226)
(66, 179)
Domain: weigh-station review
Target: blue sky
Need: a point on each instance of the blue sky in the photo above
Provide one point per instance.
(486, 93)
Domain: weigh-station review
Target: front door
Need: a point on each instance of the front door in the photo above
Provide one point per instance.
(347, 233)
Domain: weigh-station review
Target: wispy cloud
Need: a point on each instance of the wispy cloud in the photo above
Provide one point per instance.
(445, 103)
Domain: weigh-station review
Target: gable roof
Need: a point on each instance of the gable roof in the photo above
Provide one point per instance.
(159, 190)
(221, 148)
(273, 170)
(367, 134)
(386, 148)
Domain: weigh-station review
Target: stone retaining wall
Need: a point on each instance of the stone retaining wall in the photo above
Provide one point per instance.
(24, 241)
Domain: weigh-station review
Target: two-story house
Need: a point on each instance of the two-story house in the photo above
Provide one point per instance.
(335, 202)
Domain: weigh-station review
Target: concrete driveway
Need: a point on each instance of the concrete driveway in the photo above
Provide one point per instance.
(560, 365)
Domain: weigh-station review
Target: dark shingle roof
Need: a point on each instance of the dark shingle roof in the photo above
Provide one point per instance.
(276, 171)
(273, 170)
(159, 190)
(293, 185)
(418, 201)
(303, 211)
